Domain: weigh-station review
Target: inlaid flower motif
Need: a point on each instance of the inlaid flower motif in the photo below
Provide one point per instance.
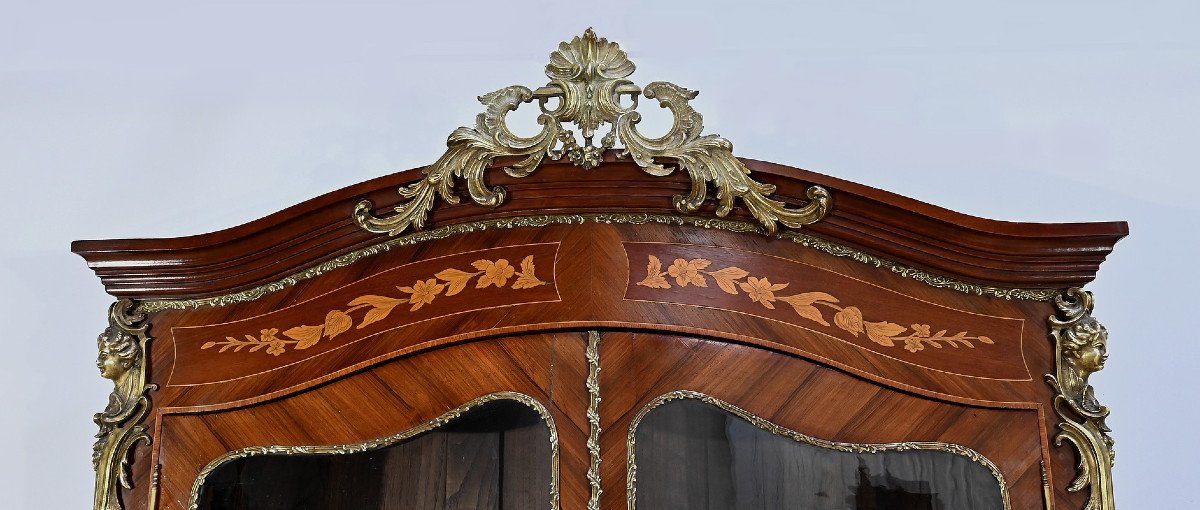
(688, 271)
(494, 273)
(850, 319)
(921, 330)
(761, 290)
(423, 292)
(275, 345)
(913, 344)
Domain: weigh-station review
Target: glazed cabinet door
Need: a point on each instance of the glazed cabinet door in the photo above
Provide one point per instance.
(489, 424)
(692, 423)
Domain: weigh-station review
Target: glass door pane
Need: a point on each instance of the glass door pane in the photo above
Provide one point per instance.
(497, 455)
(691, 455)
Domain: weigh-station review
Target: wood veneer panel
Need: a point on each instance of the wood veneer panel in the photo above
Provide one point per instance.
(591, 273)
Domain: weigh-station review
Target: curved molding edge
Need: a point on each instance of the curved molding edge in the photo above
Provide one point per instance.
(1081, 348)
(588, 81)
(122, 358)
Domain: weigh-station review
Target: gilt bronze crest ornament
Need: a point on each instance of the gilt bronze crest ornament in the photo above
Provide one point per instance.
(588, 81)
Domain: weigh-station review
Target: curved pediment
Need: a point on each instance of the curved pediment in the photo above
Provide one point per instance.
(490, 177)
(885, 225)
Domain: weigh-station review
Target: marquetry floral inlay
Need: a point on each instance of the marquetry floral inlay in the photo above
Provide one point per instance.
(445, 283)
(807, 305)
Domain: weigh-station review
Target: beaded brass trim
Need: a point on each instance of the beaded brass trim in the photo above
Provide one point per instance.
(593, 417)
(764, 424)
(383, 442)
(538, 221)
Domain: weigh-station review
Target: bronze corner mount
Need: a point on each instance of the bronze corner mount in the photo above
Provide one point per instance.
(588, 81)
(1081, 349)
(122, 358)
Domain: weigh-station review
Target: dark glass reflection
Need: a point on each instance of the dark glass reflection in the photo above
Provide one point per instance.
(693, 456)
(494, 456)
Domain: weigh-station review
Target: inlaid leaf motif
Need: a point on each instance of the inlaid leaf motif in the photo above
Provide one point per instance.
(850, 319)
(337, 322)
(380, 306)
(526, 279)
(802, 303)
(654, 275)
(882, 332)
(305, 336)
(457, 279)
(727, 278)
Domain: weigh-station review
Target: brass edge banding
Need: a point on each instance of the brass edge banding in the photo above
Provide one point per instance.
(593, 416)
(155, 479)
(538, 221)
(344, 449)
(122, 358)
(764, 424)
(1081, 349)
(1047, 492)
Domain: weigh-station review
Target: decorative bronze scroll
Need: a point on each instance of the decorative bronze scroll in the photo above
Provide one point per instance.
(588, 79)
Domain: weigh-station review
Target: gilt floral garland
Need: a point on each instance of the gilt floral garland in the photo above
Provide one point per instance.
(808, 305)
(445, 283)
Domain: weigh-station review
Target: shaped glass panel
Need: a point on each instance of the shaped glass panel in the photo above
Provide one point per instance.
(496, 455)
(691, 456)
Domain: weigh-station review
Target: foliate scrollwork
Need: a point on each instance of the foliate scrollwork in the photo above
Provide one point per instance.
(588, 81)
(471, 151)
(122, 359)
(593, 416)
(1082, 348)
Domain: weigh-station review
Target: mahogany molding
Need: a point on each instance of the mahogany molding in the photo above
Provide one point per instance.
(893, 227)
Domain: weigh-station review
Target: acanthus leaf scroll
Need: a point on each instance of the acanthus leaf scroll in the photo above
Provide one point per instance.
(588, 80)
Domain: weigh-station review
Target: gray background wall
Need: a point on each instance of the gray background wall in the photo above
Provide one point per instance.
(175, 118)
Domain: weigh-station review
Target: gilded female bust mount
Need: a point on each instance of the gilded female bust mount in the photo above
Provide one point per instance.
(121, 358)
(1082, 349)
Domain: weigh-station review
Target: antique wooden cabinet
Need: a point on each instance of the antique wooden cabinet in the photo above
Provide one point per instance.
(590, 329)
